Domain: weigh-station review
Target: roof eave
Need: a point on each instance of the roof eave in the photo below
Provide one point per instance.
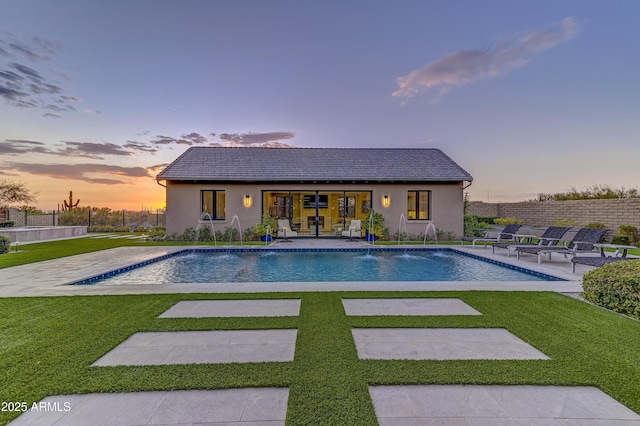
(318, 180)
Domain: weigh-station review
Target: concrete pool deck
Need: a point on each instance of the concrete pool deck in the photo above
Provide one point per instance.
(50, 278)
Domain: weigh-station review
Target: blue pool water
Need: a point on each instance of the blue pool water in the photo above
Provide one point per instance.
(307, 266)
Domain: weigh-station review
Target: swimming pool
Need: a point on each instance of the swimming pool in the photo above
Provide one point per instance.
(313, 265)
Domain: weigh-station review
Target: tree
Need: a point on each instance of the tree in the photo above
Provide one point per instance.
(14, 193)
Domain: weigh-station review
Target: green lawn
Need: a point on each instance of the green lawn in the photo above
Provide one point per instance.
(48, 344)
(37, 252)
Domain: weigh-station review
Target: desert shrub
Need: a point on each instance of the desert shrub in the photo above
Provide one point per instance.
(174, 236)
(406, 236)
(386, 234)
(615, 286)
(620, 240)
(508, 221)
(595, 225)
(229, 234)
(565, 222)
(5, 244)
(594, 192)
(251, 234)
(188, 234)
(629, 231)
(489, 220)
(205, 235)
(157, 232)
(445, 235)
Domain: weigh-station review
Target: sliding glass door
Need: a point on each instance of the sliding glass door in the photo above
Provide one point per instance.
(317, 213)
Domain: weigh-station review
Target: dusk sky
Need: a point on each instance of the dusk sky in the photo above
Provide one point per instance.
(527, 96)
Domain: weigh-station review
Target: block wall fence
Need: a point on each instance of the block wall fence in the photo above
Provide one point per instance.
(20, 218)
(610, 212)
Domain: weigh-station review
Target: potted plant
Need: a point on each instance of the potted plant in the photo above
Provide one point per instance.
(373, 225)
(266, 227)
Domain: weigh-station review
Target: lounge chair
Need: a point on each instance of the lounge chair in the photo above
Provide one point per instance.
(354, 231)
(549, 238)
(595, 261)
(284, 230)
(506, 234)
(583, 242)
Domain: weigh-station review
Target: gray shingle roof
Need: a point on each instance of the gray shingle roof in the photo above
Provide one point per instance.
(314, 164)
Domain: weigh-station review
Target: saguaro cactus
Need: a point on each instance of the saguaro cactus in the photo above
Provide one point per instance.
(69, 205)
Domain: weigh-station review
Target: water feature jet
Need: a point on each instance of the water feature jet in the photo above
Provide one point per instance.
(403, 219)
(268, 234)
(235, 218)
(370, 235)
(430, 225)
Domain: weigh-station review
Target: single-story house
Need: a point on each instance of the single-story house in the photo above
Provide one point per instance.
(319, 190)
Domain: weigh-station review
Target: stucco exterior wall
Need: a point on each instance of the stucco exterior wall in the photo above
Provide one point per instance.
(183, 203)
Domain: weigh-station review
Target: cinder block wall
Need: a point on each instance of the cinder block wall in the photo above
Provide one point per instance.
(484, 209)
(612, 213)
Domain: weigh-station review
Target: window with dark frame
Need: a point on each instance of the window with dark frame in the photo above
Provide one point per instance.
(213, 204)
(418, 203)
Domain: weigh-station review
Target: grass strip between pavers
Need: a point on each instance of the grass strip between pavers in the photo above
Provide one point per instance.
(47, 346)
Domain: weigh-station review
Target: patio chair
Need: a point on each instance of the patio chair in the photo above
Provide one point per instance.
(595, 261)
(284, 230)
(549, 238)
(506, 234)
(354, 231)
(583, 242)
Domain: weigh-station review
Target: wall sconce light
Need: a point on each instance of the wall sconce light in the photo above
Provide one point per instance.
(247, 200)
(386, 201)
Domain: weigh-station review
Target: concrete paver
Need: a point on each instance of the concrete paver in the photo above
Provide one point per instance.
(411, 306)
(197, 347)
(441, 344)
(497, 405)
(49, 278)
(233, 308)
(233, 407)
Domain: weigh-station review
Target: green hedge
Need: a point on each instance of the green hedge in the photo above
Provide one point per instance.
(4, 244)
(473, 225)
(615, 286)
